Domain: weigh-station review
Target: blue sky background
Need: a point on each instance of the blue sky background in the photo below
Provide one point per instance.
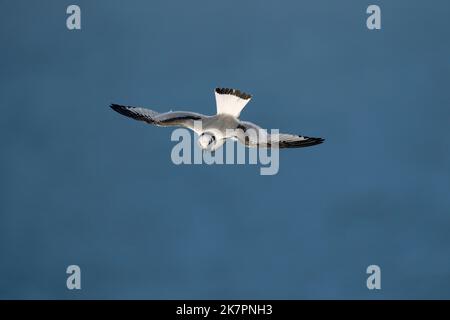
(82, 185)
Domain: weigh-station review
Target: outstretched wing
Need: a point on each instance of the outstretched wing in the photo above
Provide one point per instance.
(231, 101)
(176, 118)
(252, 135)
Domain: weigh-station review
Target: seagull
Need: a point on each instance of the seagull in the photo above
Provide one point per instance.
(216, 129)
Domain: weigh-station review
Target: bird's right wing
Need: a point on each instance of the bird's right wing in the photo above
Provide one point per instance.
(176, 118)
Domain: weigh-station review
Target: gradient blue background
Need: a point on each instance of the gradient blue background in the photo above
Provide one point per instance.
(83, 185)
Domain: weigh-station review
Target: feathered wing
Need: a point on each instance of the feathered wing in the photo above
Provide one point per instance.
(231, 101)
(176, 118)
(252, 135)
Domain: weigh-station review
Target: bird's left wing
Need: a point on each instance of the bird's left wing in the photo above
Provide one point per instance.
(252, 135)
(176, 118)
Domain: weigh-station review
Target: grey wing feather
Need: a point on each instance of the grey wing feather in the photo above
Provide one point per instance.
(177, 118)
(252, 135)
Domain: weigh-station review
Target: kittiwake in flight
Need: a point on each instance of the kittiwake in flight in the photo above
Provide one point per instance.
(214, 130)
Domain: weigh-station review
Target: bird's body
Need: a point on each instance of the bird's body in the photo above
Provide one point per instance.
(214, 130)
(219, 123)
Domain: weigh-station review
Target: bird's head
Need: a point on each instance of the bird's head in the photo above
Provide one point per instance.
(206, 141)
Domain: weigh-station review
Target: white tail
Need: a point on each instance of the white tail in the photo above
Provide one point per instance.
(231, 101)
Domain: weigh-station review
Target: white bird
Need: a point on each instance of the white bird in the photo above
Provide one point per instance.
(214, 130)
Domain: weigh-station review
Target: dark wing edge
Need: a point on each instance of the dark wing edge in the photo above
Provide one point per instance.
(136, 113)
(307, 142)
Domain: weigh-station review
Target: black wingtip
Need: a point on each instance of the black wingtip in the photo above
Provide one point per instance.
(116, 107)
(314, 141)
(119, 108)
(123, 110)
(319, 140)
